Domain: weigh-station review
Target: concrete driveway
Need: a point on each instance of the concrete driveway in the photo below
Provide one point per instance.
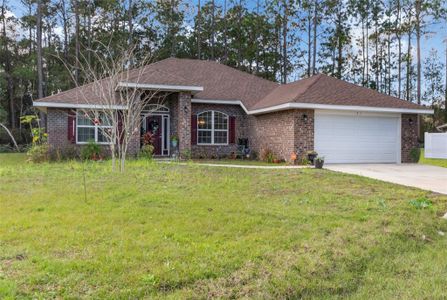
(415, 175)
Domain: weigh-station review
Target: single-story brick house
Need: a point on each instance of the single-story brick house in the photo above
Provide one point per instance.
(212, 107)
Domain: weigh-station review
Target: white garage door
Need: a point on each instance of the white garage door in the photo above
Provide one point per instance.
(355, 137)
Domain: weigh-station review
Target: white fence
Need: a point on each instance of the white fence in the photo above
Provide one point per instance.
(436, 145)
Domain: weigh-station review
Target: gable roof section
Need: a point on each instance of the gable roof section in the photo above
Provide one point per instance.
(219, 82)
(326, 90)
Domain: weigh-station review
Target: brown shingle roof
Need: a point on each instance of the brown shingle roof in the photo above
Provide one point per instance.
(221, 82)
(323, 89)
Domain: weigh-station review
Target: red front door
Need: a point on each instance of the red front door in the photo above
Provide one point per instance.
(153, 124)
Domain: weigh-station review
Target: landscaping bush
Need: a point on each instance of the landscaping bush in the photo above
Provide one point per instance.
(253, 155)
(267, 155)
(39, 153)
(146, 151)
(415, 154)
(69, 152)
(186, 154)
(91, 151)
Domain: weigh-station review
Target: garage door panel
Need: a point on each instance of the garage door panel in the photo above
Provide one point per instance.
(356, 138)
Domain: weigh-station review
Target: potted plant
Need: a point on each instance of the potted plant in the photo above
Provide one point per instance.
(319, 162)
(311, 155)
(174, 141)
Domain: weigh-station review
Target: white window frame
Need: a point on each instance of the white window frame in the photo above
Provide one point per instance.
(213, 130)
(96, 127)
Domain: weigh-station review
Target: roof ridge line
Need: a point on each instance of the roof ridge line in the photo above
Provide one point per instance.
(318, 77)
(233, 69)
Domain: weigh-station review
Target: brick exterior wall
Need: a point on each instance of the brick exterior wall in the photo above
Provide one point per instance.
(304, 131)
(57, 129)
(274, 132)
(281, 132)
(210, 151)
(409, 136)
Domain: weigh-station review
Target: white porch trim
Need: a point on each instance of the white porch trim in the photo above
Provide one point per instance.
(80, 106)
(161, 87)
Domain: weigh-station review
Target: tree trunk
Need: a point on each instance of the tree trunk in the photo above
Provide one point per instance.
(257, 37)
(172, 32)
(130, 20)
(239, 44)
(315, 24)
(376, 42)
(77, 42)
(7, 58)
(284, 47)
(309, 44)
(363, 54)
(418, 48)
(408, 87)
(89, 32)
(212, 29)
(367, 44)
(39, 50)
(225, 32)
(11, 136)
(445, 87)
(199, 29)
(399, 50)
(65, 28)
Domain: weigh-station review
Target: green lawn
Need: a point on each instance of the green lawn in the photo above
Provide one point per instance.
(187, 231)
(432, 161)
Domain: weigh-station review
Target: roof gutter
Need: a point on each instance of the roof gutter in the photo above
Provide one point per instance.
(79, 106)
(294, 105)
(161, 87)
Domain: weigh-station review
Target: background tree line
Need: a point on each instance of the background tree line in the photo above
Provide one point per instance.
(376, 44)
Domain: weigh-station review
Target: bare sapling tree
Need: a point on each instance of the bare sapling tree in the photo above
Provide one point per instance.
(11, 136)
(112, 98)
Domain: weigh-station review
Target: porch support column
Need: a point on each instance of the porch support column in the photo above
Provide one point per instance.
(184, 121)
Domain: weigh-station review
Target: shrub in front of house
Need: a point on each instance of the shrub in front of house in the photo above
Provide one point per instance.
(91, 151)
(68, 152)
(39, 153)
(267, 155)
(415, 154)
(146, 151)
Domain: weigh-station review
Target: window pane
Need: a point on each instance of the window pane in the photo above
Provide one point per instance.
(204, 137)
(220, 137)
(220, 120)
(83, 120)
(102, 138)
(86, 134)
(104, 119)
(204, 120)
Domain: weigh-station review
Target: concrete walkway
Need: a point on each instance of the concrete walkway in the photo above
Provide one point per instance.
(425, 177)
